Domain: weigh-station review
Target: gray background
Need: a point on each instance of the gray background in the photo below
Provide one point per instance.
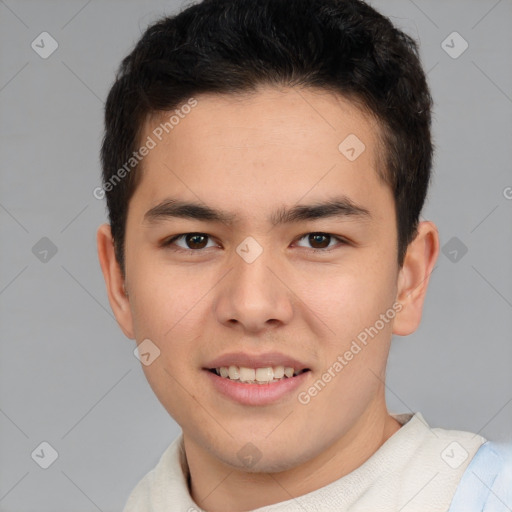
(67, 374)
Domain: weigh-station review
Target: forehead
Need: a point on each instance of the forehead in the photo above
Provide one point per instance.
(251, 148)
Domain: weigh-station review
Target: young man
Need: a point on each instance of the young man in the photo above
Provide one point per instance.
(265, 163)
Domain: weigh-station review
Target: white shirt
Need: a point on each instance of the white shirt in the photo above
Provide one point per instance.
(416, 470)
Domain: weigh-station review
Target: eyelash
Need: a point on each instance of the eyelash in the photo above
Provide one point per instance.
(168, 243)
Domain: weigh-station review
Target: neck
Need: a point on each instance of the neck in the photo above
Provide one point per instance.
(218, 487)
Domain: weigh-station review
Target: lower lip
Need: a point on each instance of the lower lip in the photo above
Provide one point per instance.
(256, 394)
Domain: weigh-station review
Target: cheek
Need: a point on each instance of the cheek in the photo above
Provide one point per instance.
(356, 346)
(163, 298)
(351, 295)
(168, 310)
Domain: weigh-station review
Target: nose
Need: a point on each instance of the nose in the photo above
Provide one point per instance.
(254, 295)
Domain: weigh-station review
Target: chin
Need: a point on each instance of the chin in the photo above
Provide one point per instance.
(253, 455)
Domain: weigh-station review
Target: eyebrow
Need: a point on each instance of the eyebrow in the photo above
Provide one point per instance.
(338, 207)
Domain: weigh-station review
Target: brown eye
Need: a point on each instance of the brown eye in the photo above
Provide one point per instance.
(188, 242)
(196, 240)
(319, 240)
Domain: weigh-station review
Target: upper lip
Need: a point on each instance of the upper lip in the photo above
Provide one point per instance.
(256, 361)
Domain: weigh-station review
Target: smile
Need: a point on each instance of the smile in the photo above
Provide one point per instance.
(266, 375)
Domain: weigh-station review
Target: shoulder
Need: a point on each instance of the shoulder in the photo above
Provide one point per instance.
(486, 485)
(164, 486)
(443, 449)
(433, 461)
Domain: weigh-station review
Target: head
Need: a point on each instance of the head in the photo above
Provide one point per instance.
(293, 145)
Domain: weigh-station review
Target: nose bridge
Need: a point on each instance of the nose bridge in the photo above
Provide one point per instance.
(252, 295)
(253, 281)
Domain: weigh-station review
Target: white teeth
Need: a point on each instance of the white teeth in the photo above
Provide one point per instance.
(247, 374)
(256, 375)
(278, 372)
(234, 374)
(264, 374)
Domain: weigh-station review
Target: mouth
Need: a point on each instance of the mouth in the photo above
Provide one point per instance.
(251, 379)
(259, 376)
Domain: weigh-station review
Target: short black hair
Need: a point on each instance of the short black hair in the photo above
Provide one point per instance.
(234, 46)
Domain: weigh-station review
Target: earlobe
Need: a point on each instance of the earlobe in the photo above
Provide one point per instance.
(414, 277)
(114, 281)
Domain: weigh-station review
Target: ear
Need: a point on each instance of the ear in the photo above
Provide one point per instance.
(117, 295)
(414, 277)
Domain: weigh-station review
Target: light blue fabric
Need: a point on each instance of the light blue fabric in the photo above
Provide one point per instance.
(486, 485)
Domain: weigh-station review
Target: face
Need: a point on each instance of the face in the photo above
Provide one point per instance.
(289, 260)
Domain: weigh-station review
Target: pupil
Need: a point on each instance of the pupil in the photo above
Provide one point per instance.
(194, 238)
(315, 239)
